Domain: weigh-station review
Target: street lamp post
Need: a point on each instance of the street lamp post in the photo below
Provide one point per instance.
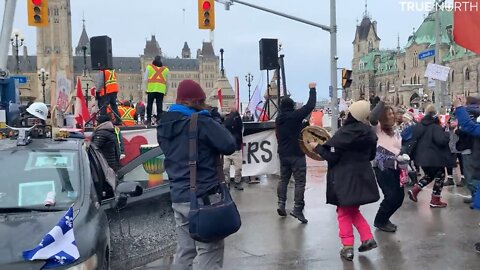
(43, 77)
(17, 42)
(249, 79)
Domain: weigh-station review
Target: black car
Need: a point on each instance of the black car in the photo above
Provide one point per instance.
(111, 231)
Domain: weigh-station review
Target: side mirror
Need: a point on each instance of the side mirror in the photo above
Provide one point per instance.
(125, 190)
(131, 189)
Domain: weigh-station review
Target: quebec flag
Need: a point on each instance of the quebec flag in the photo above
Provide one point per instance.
(58, 247)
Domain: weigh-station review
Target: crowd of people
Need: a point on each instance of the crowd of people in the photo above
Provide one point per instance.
(378, 147)
(386, 144)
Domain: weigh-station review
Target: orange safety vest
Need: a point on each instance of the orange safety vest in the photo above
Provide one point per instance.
(110, 82)
(127, 114)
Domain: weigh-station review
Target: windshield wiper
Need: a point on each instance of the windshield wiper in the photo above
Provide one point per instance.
(31, 209)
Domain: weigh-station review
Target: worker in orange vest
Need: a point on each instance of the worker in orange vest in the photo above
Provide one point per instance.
(107, 90)
(127, 114)
(155, 83)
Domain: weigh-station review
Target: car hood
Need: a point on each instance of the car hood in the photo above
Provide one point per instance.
(24, 231)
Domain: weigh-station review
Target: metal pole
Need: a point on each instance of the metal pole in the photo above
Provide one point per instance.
(86, 96)
(284, 78)
(16, 45)
(7, 25)
(221, 63)
(324, 27)
(249, 79)
(43, 86)
(279, 79)
(439, 95)
(333, 67)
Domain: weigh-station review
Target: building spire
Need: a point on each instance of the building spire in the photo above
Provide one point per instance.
(366, 10)
(83, 20)
(398, 42)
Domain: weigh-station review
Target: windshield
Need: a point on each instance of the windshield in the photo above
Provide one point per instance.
(36, 178)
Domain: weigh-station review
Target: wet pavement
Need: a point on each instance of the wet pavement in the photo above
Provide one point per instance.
(426, 238)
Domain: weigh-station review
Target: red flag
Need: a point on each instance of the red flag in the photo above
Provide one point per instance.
(220, 99)
(466, 24)
(81, 110)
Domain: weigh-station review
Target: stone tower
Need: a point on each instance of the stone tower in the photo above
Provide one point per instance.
(186, 53)
(54, 43)
(366, 39)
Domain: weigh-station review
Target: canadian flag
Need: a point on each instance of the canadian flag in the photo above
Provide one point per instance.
(220, 99)
(81, 110)
(466, 24)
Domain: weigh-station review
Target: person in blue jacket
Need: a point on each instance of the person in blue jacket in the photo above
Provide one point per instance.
(467, 125)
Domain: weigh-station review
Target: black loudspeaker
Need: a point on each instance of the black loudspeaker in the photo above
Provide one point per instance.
(268, 54)
(101, 52)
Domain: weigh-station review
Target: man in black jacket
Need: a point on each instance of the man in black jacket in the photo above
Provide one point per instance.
(233, 122)
(105, 139)
(213, 140)
(289, 124)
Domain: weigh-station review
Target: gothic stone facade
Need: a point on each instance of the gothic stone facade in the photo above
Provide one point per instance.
(55, 54)
(398, 74)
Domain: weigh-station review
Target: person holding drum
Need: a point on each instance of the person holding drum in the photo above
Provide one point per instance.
(350, 177)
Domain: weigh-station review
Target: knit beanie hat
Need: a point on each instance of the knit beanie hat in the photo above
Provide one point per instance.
(360, 110)
(189, 90)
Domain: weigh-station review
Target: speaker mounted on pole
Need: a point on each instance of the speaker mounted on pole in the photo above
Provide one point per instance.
(268, 54)
(101, 52)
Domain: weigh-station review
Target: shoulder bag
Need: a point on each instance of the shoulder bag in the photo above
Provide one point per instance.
(216, 216)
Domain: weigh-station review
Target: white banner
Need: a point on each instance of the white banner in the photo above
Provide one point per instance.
(260, 155)
(437, 72)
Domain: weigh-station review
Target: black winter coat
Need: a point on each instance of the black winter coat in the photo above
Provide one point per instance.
(350, 178)
(432, 148)
(289, 124)
(105, 139)
(213, 140)
(233, 122)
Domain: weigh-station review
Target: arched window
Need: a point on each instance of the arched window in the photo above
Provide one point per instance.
(467, 74)
(411, 80)
(415, 59)
(453, 75)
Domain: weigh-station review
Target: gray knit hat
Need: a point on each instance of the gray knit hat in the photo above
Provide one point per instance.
(360, 110)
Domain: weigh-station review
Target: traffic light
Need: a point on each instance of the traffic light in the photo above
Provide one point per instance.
(37, 12)
(346, 81)
(206, 14)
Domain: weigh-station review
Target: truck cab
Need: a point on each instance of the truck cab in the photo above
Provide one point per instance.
(74, 171)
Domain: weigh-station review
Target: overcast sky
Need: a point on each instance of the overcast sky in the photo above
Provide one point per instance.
(306, 49)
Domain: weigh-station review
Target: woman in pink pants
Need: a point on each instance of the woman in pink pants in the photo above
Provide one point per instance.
(350, 177)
